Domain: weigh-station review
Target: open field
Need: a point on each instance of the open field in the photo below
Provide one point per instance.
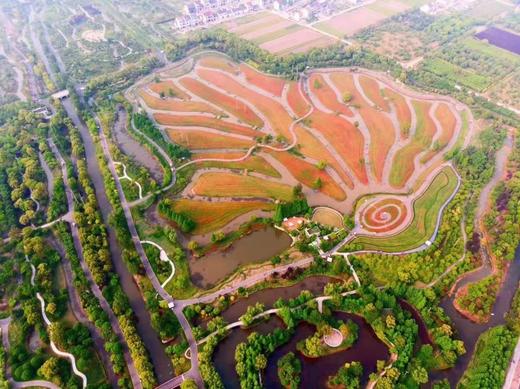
(198, 140)
(211, 216)
(277, 34)
(425, 208)
(348, 23)
(342, 134)
(235, 185)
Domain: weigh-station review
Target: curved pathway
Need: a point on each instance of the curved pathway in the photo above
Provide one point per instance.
(55, 349)
(77, 309)
(125, 176)
(163, 256)
(47, 322)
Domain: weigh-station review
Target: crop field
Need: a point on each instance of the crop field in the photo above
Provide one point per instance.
(211, 216)
(348, 23)
(200, 140)
(340, 134)
(253, 163)
(277, 34)
(235, 185)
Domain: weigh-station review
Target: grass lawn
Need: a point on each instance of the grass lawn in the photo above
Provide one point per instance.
(403, 111)
(426, 209)
(278, 117)
(169, 104)
(312, 148)
(180, 287)
(218, 62)
(169, 89)
(456, 74)
(203, 121)
(211, 216)
(277, 34)
(235, 185)
(327, 96)
(373, 92)
(345, 138)
(296, 101)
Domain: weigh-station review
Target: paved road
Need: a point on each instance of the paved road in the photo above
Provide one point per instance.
(177, 309)
(134, 376)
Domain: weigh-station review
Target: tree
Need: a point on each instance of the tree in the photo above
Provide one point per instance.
(317, 184)
(289, 369)
(189, 384)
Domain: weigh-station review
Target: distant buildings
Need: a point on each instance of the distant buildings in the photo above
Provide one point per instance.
(203, 13)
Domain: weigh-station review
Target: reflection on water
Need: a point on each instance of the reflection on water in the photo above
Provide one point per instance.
(258, 246)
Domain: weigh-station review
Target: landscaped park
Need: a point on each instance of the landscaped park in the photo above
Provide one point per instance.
(349, 139)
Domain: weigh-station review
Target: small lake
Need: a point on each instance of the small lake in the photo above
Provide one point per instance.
(368, 349)
(258, 246)
(501, 38)
(134, 149)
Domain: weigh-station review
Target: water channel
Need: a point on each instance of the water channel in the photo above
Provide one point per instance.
(258, 246)
(161, 362)
(469, 331)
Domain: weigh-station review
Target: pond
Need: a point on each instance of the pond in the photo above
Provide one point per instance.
(258, 246)
(134, 149)
(368, 349)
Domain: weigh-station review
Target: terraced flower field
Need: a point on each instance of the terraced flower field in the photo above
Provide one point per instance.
(342, 134)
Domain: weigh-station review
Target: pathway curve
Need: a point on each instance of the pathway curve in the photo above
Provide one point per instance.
(163, 256)
(194, 372)
(47, 322)
(125, 176)
(48, 174)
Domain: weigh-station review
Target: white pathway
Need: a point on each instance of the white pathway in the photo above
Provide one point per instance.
(54, 348)
(164, 258)
(125, 176)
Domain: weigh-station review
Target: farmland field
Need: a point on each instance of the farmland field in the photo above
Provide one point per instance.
(211, 216)
(277, 34)
(340, 134)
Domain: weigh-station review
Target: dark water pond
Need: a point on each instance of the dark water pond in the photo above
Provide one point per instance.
(258, 246)
(268, 297)
(368, 349)
(504, 39)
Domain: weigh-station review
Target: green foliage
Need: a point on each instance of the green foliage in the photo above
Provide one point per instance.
(147, 127)
(185, 223)
(490, 360)
(293, 208)
(348, 376)
(289, 370)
